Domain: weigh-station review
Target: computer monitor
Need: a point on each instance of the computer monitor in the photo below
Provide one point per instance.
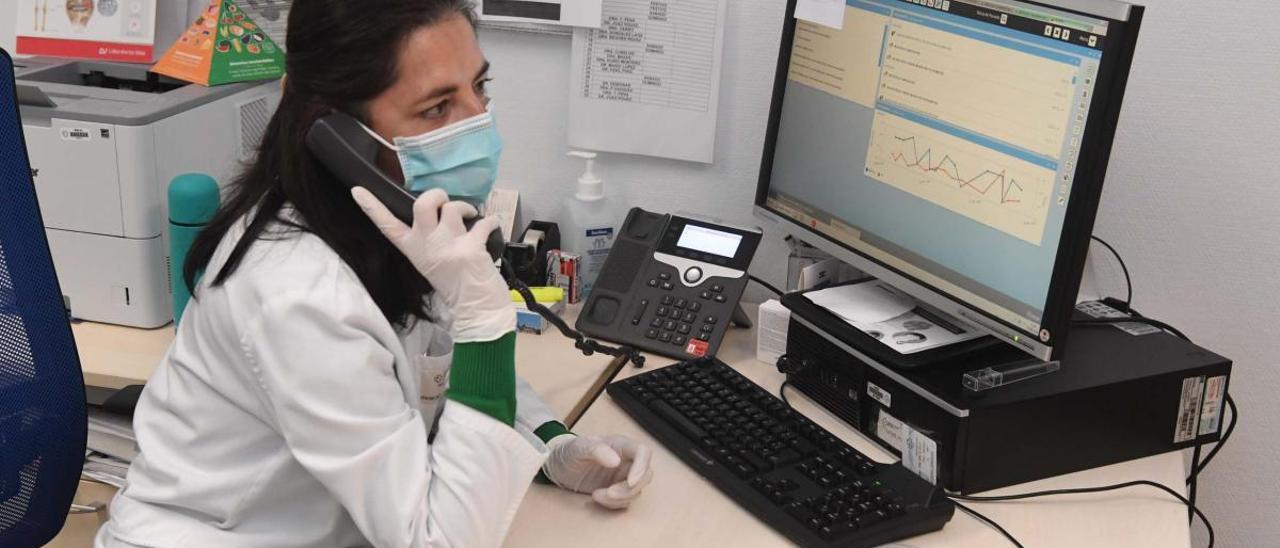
(954, 148)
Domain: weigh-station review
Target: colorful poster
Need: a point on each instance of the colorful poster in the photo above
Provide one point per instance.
(113, 30)
(223, 46)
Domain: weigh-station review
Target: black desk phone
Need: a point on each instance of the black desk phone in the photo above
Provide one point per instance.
(670, 285)
(350, 154)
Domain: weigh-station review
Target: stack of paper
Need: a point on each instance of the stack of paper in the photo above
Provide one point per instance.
(105, 469)
(892, 317)
(864, 303)
(112, 435)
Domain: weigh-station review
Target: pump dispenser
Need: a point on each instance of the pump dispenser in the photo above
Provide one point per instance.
(590, 186)
(589, 224)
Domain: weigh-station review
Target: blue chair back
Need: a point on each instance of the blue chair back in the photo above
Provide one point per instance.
(43, 424)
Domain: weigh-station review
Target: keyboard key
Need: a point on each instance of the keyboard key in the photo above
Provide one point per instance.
(695, 306)
(666, 286)
(837, 529)
(669, 325)
(690, 317)
(704, 295)
(717, 288)
(664, 337)
(755, 461)
(664, 276)
(678, 420)
(663, 311)
(667, 300)
(784, 457)
(711, 320)
(721, 299)
(639, 315)
(871, 518)
(653, 282)
(679, 340)
(684, 329)
(657, 322)
(680, 303)
(651, 334)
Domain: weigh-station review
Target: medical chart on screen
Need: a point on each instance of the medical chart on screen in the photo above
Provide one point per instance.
(648, 80)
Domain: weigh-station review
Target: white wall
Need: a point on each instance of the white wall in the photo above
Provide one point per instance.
(1191, 198)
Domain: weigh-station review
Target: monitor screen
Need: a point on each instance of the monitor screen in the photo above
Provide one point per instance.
(943, 140)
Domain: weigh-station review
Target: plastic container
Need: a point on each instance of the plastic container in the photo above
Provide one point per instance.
(590, 223)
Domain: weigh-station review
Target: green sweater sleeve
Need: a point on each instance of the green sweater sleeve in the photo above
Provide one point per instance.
(549, 430)
(484, 377)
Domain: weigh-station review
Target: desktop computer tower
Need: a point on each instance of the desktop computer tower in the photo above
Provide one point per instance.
(1117, 397)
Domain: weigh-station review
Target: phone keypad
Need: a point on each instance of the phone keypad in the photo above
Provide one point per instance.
(680, 314)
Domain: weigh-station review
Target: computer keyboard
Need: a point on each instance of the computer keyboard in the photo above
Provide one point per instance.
(776, 463)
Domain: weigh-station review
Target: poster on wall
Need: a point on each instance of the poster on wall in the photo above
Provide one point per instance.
(111, 30)
(648, 81)
(272, 16)
(224, 45)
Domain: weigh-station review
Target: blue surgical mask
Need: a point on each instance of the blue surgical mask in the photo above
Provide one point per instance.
(461, 159)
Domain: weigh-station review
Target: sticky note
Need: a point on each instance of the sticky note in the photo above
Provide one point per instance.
(828, 13)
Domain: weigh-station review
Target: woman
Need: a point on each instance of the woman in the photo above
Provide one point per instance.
(303, 402)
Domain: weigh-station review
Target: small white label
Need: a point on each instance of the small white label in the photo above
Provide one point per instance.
(879, 394)
(823, 12)
(76, 134)
(891, 431)
(1211, 410)
(1189, 410)
(921, 456)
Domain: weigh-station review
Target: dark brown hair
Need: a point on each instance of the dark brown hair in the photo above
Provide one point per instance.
(341, 54)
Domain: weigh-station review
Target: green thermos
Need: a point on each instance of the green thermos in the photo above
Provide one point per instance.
(193, 200)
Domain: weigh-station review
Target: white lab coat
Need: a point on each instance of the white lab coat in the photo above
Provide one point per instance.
(288, 413)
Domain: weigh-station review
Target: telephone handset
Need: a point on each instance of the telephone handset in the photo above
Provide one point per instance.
(350, 153)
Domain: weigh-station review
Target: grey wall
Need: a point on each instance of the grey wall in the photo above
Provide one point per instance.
(1190, 200)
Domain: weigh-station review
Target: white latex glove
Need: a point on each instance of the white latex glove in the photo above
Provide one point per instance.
(452, 259)
(612, 469)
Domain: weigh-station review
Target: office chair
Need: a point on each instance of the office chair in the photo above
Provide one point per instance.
(43, 425)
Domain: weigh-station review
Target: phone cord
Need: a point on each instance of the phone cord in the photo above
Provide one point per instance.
(587, 346)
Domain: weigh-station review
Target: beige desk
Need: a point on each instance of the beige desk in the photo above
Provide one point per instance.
(115, 357)
(681, 509)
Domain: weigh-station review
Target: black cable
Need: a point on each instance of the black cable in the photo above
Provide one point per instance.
(1193, 482)
(990, 522)
(1231, 426)
(582, 343)
(765, 285)
(782, 392)
(1128, 282)
(1148, 321)
(1082, 490)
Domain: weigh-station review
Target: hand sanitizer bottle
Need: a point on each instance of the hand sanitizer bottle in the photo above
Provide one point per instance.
(590, 224)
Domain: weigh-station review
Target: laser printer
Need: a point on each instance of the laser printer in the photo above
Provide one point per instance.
(105, 139)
